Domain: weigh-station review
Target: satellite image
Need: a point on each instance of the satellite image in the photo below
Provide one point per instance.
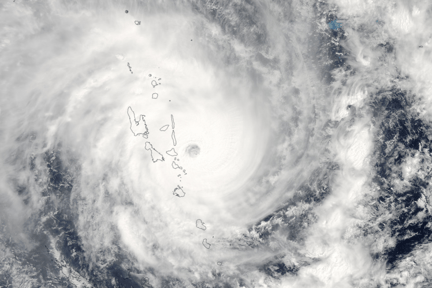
(216, 143)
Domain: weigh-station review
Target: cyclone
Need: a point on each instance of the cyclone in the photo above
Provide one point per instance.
(215, 144)
(193, 150)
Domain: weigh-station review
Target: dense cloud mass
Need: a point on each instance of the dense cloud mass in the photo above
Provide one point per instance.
(215, 143)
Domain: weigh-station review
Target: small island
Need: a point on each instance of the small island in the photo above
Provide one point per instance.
(172, 152)
(173, 137)
(164, 128)
(179, 192)
(172, 122)
(155, 155)
(175, 166)
(206, 245)
(200, 224)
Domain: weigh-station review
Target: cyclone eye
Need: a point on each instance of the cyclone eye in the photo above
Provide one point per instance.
(193, 150)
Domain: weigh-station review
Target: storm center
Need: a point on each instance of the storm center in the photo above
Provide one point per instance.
(193, 150)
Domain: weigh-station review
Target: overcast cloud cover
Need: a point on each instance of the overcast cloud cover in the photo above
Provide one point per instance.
(303, 156)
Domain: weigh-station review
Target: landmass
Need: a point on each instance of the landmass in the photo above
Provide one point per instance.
(138, 128)
(219, 263)
(175, 166)
(172, 122)
(200, 224)
(173, 137)
(172, 152)
(155, 95)
(164, 128)
(155, 155)
(206, 245)
(179, 192)
(154, 83)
